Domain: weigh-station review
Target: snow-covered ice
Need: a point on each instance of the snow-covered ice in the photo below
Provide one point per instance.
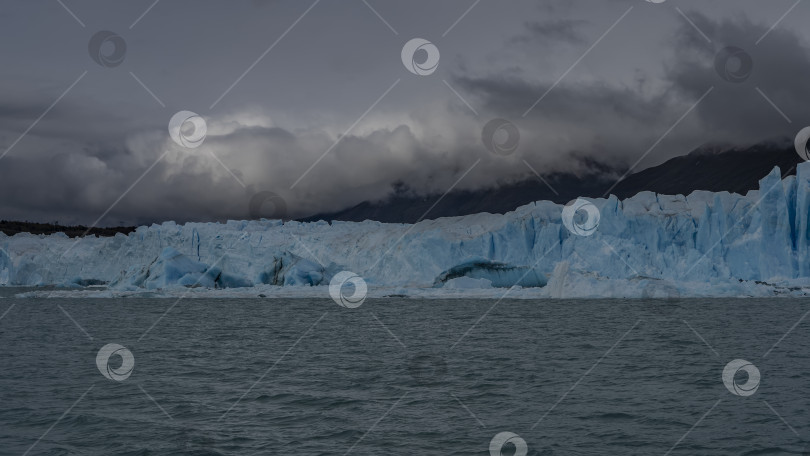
(703, 244)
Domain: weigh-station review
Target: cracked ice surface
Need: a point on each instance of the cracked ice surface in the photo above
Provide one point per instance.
(703, 244)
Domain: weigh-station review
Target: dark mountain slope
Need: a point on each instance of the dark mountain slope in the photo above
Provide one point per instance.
(715, 169)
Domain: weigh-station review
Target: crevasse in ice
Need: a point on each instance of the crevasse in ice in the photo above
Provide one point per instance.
(645, 244)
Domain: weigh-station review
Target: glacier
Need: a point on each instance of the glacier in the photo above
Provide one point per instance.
(657, 246)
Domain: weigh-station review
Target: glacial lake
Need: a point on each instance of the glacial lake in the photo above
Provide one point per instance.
(404, 377)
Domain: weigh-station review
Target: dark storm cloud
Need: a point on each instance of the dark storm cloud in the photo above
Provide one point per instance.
(557, 30)
(595, 118)
(737, 112)
(108, 137)
(577, 120)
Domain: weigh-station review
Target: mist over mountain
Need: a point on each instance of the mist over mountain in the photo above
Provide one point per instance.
(333, 117)
(713, 168)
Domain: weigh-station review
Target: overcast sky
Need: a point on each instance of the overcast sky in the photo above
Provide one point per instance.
(278, 82)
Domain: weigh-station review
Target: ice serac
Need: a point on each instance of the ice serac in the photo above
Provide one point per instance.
(702, 244)
(803, 220)
(775, 230)
(169, 268)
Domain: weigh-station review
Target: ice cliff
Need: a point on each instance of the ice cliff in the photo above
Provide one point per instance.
(703, 244)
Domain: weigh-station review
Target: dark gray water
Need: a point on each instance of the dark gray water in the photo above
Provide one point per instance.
(306, 377)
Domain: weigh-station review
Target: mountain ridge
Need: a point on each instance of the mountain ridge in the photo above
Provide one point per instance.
(713, 168)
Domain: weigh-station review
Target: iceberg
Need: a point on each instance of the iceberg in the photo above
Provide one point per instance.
(654, 246)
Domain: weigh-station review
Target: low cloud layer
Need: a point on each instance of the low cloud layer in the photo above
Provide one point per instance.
(98, 158)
